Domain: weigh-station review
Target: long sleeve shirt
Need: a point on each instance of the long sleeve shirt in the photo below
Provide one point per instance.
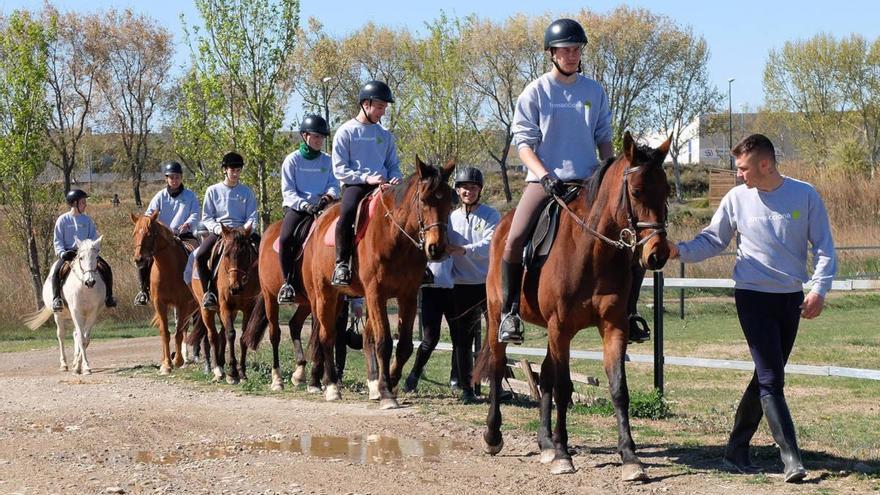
(230, 206)
(176, 211)
(70, 228)
(563, 124)
(774, 230)
(473, 232)
(303, 182)
(361, 150)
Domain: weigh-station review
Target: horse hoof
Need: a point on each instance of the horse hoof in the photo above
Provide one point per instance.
(331, 393)
(164, 370)
(373, 385)
(232, 380)
(298, 377)
(313, 389)
(386, 404)
(276, 387)
(547, 456)
(218, 374)
(63, 367)
(561, 466)
(87, 371)
(179, 364)
(494, 449)
(634, 472)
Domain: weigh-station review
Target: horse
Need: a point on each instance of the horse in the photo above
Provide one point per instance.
(84, 293)
(154, 241)
(266, 314)
(584, 281)
(409, 229)
(237, 287)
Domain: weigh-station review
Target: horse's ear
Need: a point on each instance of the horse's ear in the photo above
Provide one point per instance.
(97, 242)
(629, 147)
(421, 168)
(154, 215)
(664, 148)
(248, 230)
(447, 169)
(134, 218)
(224, 229)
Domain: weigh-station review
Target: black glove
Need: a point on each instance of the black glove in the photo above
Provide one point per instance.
(311, 209)
(324, 201)
(553, 186)
(68, 255)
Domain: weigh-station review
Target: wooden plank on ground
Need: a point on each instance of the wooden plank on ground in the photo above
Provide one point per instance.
(531, 378)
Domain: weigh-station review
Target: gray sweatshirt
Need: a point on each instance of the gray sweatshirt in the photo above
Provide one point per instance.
(174, 212)
(230, 206)
(774, 229)
(474, 233)
(361, 150)
(303, 182)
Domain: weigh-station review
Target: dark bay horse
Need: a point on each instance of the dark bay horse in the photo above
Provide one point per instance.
(408, 230)
(237, 287)
(152, 240)
(585, 281)
(266, 313)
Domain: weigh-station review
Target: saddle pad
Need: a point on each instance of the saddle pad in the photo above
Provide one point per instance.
(366, 212)
(276, 246)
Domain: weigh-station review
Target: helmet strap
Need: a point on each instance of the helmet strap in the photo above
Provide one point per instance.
(556, 64)
(366, 115)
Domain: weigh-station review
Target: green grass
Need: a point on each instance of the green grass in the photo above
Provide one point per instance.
(19, 338)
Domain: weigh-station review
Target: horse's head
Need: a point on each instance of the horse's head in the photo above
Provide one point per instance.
(144, 236)
(646, 191)
(85, 264)
(435, 203)
(239, 255)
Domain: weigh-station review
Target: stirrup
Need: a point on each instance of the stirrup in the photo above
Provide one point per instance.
(286, 294)
(341, 275)
(209, 301)
(638, 329)
(510, 330)
(142, 298)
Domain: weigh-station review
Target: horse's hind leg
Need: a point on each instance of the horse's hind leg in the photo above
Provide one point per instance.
(164, 337)
(275, 339)
(180, 324)
(407, 316)
(558, 350)
(327, 339)
(295, 326)
(492, 362)
(228, 318)
(379, 329)
(59, 332)
(371, 362)
(545, 440)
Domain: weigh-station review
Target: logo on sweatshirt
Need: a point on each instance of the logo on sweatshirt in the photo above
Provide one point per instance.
(379, 140)
(795, 214)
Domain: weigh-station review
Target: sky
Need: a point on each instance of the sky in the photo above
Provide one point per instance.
(739, 34)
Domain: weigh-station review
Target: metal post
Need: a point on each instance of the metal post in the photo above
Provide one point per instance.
(658, 331)
(681, 292)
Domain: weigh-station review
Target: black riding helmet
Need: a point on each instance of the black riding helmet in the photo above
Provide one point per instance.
(232, 160)
(375, 90)
(172, 168)
(564, 32)
(469, 174)
(75, 195)
(314, 124)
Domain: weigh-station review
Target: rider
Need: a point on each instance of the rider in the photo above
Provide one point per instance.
(228, 203)
(308, 186)
(560, 120)
(70, 227)
(364, 157)
(179, 210)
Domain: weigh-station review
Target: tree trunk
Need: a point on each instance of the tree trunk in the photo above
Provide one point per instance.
(136, 188)
(265, 211)
(676, 168)
(67, 171)
(34, 264)
(502, 163)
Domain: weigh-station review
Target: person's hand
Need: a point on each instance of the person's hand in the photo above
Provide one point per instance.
(812, 306)
(673, 249)
(454, 249)
(553, 186)
(394, 181)
(311, 209)
(183, 228)
(217, 230)
(325, 200)
(375, 180)
(68, 255)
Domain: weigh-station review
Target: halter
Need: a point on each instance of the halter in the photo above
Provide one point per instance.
(628, 237)
(420, 244)
(235, 271)
(85, 272)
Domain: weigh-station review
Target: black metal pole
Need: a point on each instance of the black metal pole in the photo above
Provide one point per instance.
(658, 331)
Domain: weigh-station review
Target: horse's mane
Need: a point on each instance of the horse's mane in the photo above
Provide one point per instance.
(644, 155)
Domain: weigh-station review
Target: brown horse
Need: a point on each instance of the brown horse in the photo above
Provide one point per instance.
(584, 281)
(266, 313)
(390, 262)
(152, 240)
(237, 287)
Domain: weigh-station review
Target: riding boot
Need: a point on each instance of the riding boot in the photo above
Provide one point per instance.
(465, 365)
(57, 302)
(143, 297)
(781, 426)
(342, 269)
(638, 326)
(412, 381)
(286, 294)
(510, 330)
(748, 417)
(209, 299)
(107, 272)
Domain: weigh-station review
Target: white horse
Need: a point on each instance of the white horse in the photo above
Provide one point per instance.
(85, 292)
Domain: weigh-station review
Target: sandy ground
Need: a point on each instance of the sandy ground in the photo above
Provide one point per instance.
(112, 432)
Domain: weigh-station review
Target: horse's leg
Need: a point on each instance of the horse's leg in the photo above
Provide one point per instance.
(180, 324)
(295, 326)
(370, 361)
(215, 345)
(407, 308)
(242, 366)
(614, 348)
(271, 306)
(227, 316)
(59, 333)
(87, 326)
(195, 321)
(164, 336)
(314, 385)
(378, 315)
(492, 361)
(327, 343)
(545, 441)
(205, 344)
(558, 349)
(77, 344)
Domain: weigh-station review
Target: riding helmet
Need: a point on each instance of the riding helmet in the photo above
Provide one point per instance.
(75, 195)
(469, 174)
(314, 124)
(232, 160)
(376, 90)
(564, 32)
(172, 168)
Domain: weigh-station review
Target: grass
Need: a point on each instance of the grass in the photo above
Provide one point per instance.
(17, 338)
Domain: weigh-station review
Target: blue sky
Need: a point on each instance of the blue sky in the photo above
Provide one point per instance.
(739, 34)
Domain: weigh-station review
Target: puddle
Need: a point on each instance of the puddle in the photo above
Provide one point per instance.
(357, 449)
(47, 428)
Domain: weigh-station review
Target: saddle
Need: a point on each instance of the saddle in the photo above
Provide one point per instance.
(366, 210)
(545, 228)
(302, 232)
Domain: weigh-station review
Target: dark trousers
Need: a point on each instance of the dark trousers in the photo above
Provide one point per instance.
(470, 305)
(103, 268)
(352, 194)
(202, 260)
(770, 324)
(289, 242)
(437, 303)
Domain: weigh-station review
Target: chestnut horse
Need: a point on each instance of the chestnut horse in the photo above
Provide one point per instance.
(237, 287)
(266, 313)
(390, 260)
(584, 281)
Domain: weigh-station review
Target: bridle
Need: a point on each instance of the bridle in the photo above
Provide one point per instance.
(85, 273)
(629, 236)
(423, 229)
(151, 247)
(245, 272)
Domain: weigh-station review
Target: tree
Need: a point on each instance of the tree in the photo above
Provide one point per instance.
(137, 55)
(247, 46)
(23, 148)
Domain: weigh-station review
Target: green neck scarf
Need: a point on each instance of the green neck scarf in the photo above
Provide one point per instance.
(307, 152)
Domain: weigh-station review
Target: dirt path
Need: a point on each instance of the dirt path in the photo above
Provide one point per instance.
(114, 433)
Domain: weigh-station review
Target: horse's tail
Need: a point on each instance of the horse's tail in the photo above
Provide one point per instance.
(198, 329)
(256, 324)
(155, 321)
(35, 320)
(484, 362)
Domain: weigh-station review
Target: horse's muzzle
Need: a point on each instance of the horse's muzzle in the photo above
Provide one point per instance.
(90, 283)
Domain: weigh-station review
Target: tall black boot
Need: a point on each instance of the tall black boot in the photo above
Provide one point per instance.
(107, 272)
(209, 299)
(511, 328)
(465, 364)
(748, 417)
(782, 427)
(342, 269)
(144, 269)
(638, 326)
(57, 302)
(412, 381)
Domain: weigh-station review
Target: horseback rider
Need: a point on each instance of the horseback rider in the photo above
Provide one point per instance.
(364, 157)
(228, 203)
(308, 186)
(70, 227)
(560, 120)
(179, 210)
